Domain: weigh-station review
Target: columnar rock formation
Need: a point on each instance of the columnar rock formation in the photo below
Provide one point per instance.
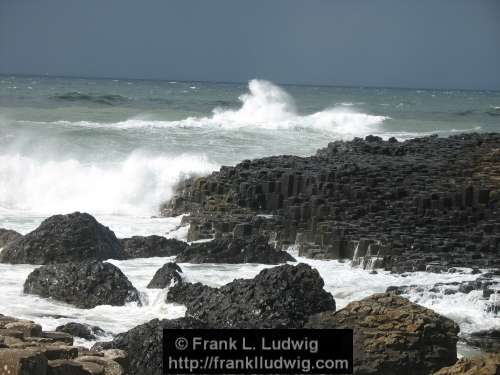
(426, 203)
(28, 350)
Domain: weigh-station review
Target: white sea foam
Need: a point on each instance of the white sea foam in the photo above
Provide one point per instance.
(345, 283)
(265, 107)
(135, 186)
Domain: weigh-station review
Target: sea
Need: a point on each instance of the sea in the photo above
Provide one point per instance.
(117, 148)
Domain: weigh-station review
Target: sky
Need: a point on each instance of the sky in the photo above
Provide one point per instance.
(385, 43)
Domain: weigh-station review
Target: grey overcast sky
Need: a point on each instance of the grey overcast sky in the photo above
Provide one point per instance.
(391, 43)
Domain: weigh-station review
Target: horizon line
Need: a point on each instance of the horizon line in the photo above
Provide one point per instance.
(244, 82)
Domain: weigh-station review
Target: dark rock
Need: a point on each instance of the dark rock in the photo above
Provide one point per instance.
(393, 335)
(7, 235)
(144, 344)
(152, 246)
(64, 238)
(85, 285)
(487, 340)
(18, 361)
(66, 367)
(465, 288)
(279, 297)
(234, 250)
(165, 275)
(85, 331)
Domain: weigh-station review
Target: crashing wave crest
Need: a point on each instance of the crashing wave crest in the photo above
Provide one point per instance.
(265, 107)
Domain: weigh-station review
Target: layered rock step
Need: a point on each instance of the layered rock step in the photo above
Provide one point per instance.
(28, 350)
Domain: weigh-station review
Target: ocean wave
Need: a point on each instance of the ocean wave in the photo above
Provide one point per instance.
(106, 99)
(265, 107)
(135, 186)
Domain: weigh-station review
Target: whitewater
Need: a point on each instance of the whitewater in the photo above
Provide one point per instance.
(117, 149)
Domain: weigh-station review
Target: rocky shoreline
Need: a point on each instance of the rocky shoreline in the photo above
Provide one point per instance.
(428, 204)
(424, 204)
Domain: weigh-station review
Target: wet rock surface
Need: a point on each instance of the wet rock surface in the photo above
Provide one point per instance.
(484, 365)
(28, 350)
(278, 297)
(234, 250)
(424, 204)
(394, 336)
(84, 285)
(84, 331)
(151, 246)
(487, 340)
(7, 235)
(144, 344)
(64, 238)
(165, 276)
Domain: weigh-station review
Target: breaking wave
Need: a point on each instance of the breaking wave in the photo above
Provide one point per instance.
(265, 107)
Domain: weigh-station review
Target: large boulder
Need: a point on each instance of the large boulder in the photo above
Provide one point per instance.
(234, 250)
(279, 297)
(144, 344)
(486, 365)
(7, 235)
(85, 285)
(165, 275)
(64, 238)
(151, 246)
(394, 336)
(85, 331)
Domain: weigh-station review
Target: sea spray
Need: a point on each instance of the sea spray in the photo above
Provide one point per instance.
(135, 186)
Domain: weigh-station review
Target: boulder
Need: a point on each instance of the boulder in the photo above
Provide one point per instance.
(234, 250)
(144, 344)
(85, 331)
(64, 238)
(279, 297)
(394, 336)
(165, 275)
(151, 246)
(84, 285)
(7, 235)
(486, 365)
